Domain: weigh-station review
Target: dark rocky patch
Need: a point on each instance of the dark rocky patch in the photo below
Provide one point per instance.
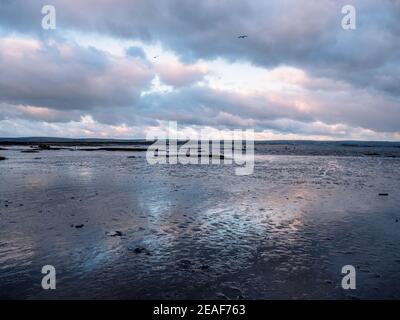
(113, 149)
(30, 151)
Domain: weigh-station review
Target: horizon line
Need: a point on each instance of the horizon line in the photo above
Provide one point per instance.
(144, 139)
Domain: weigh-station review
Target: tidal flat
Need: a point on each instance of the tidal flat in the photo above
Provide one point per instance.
(115, 227)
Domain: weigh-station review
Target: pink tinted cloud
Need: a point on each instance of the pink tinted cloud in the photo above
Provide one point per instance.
(176, 74)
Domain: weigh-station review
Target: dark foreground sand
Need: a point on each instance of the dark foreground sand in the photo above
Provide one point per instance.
(116, 227)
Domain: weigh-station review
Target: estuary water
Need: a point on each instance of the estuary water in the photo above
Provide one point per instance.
(114, 226)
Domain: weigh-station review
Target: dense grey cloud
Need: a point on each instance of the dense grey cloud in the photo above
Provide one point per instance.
(203, 106)
(353, 76)
(64, 76)
(299, 33)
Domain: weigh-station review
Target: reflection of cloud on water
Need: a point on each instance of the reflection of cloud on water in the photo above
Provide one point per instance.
(15, 251)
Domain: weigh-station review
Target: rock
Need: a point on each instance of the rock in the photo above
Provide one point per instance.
(44, 146)
(139, 250)
(115, 234)
(78, 226)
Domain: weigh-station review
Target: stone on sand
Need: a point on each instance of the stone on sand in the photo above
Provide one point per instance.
(139, 250)
(115, 234)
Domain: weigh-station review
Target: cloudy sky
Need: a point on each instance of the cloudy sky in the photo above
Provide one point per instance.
(122, 68)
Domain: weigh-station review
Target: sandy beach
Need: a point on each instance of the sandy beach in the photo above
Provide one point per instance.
(115, 227)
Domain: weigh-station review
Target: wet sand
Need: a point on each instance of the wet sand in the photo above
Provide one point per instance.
(115, 227)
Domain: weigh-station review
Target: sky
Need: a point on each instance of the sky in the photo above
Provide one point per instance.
(120, 69)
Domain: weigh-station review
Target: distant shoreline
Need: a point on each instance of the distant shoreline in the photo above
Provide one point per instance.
(99, 141)
(282, 148)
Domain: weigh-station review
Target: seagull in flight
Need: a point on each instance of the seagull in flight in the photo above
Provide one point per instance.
(243, 36)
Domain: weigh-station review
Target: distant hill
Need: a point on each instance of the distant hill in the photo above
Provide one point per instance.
(68, 141)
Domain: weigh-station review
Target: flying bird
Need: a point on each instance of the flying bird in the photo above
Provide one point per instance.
(243, 36)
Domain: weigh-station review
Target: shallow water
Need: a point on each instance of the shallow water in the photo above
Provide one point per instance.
(202, 232)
